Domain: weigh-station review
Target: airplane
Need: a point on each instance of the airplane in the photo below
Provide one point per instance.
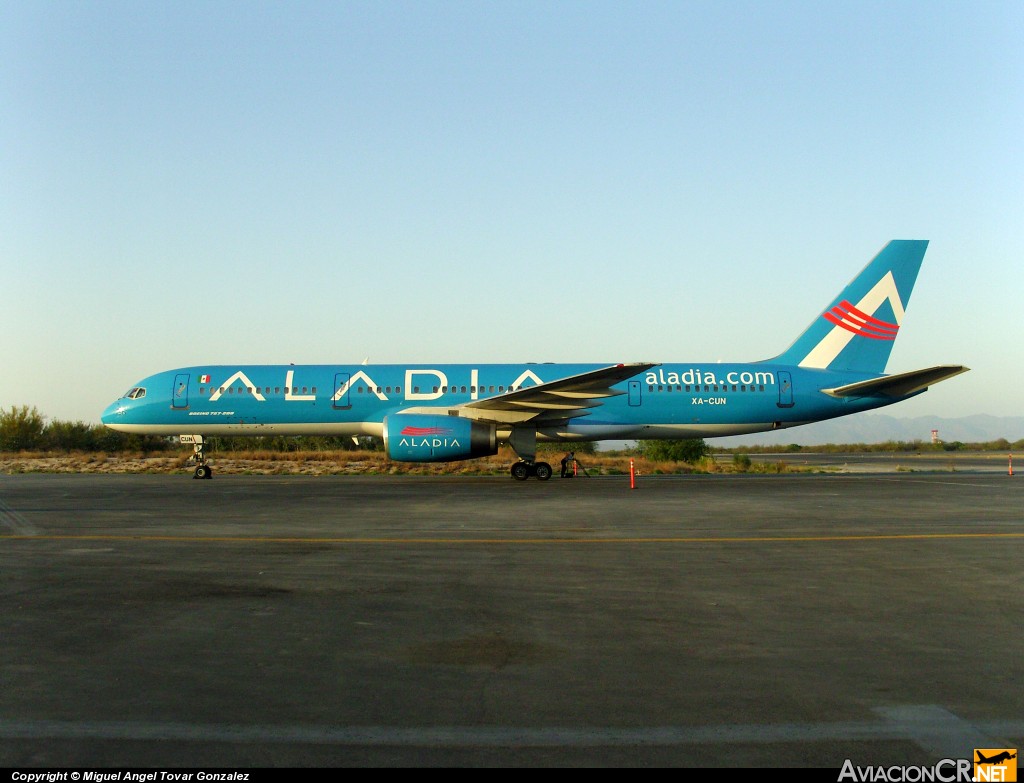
(996, 759)
(449, 412)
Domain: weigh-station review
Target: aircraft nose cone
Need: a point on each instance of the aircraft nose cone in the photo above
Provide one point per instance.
(113, 413)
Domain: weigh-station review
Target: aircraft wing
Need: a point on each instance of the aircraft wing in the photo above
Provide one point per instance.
(898, 385)
(549, 402)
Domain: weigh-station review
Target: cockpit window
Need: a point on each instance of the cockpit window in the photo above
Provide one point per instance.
(135, 394)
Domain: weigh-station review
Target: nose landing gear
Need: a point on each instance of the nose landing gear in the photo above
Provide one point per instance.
(203, 471)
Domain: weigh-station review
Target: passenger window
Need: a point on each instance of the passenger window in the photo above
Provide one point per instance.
(463, 389)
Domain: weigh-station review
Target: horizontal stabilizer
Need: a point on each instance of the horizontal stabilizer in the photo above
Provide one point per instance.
(901, 385)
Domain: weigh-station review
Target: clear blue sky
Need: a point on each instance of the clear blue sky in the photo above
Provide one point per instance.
(200, 182)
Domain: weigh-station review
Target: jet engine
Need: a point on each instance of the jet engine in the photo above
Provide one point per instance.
(426, 438)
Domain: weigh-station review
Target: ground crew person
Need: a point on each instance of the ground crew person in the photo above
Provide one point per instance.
(568, 459)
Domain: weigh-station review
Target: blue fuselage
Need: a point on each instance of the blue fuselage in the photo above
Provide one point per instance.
(669, 400)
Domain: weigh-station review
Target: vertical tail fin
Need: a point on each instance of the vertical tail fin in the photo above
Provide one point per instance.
(857, 330)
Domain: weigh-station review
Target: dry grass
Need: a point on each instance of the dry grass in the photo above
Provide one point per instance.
(318, 463)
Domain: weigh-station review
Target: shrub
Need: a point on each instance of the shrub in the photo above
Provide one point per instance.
(741, 461)
(21, 428)
(689, 450)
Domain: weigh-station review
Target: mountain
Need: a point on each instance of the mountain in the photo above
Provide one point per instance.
(878, 428)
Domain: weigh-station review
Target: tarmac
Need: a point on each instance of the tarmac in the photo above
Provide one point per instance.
(699, 621)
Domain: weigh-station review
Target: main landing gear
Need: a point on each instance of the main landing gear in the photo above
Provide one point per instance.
(203, 471)
(523, 440)
(522, 470)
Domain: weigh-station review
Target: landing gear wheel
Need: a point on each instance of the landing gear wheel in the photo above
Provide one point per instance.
(542, 471)
(203, 471)
(520, 471)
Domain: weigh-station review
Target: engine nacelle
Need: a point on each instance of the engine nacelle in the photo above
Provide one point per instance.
(425, 438)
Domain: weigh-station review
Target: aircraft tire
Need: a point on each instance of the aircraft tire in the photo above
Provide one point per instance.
(542, 471)
(203, 472)
(520, 471)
